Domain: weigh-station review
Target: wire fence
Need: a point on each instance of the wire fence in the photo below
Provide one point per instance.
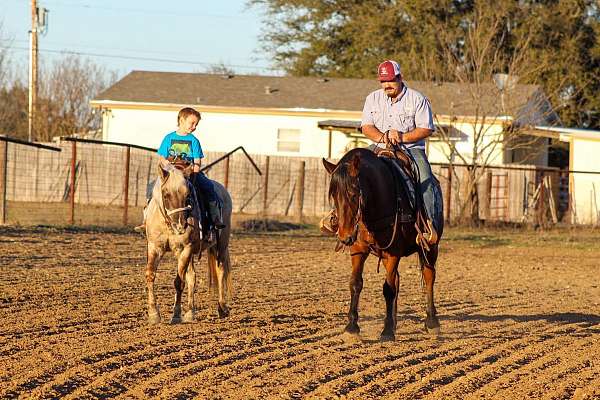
(89, 182)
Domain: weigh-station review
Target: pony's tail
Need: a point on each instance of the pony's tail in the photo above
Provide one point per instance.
(212, 271)
(213, 264)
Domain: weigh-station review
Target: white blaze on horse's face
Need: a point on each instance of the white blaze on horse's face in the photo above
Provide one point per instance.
(175, 192)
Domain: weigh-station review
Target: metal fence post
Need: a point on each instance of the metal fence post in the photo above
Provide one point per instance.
(300, 191)
(126, 185)
(449, 201)
(226, 177)
(72, 187)
(3, 165)
(266, 186)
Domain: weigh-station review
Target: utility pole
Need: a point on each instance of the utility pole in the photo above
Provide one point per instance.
(39, 24)
(33, 56)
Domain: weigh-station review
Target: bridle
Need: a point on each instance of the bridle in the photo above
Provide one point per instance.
(168, 213)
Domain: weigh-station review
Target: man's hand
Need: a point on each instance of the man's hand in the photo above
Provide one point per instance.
(196, 168)
(393, 136)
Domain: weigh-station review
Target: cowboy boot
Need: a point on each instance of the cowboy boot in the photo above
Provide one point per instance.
(142, 228)
(215, 215)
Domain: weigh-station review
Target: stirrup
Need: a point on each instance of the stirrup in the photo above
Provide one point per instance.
(328, 223)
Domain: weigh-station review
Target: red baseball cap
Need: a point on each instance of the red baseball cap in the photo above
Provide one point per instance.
(388, 70)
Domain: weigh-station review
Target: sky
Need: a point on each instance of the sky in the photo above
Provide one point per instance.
(178, 36)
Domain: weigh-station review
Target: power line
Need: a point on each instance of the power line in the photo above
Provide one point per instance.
(140, 10)
(203, 63)
(102, 47)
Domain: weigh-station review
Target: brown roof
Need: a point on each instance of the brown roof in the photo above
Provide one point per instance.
(300, 92)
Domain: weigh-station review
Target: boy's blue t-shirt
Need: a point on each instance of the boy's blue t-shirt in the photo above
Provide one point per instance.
(187, 146)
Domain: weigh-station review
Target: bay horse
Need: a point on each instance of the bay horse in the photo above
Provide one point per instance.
(375, 217)
(173, 224)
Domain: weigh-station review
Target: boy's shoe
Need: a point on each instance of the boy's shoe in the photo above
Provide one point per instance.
(140, 228)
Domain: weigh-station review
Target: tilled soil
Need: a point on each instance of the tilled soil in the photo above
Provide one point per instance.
(520, 315)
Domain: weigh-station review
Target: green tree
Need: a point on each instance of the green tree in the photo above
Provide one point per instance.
(348, 38)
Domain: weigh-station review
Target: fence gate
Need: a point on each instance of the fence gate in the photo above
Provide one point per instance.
(498, 196)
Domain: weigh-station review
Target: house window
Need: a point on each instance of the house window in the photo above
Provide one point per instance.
(288, 140)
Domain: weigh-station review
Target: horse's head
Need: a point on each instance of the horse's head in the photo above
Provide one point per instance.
(176, 194)
(345, 196)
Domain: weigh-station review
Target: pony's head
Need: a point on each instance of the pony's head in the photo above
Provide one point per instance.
(176, 191)
(345, 196)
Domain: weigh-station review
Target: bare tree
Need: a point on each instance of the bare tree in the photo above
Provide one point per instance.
(220, 69)
(66, 89)
(488, 75)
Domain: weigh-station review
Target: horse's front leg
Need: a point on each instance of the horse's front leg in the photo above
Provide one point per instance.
(183, 260)
(432, 324)
(154, 256)
(391, 288)
(356, 285)
(190, 280)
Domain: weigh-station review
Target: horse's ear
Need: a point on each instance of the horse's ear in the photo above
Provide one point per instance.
(329, 166)
(162, 173)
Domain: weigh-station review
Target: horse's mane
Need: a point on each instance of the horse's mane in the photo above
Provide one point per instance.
(343, 185)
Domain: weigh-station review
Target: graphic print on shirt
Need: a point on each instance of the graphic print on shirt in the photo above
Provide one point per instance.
(179, 147)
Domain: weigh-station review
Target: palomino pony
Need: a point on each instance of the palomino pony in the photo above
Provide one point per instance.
(375, 217)
(173, 224)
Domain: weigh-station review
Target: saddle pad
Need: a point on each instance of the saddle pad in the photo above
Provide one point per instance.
(404, 183)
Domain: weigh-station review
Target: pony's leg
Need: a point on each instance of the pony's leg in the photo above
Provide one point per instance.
(391, 288)
(190, 280)
(183, 260)
(223, 283)
(356, 285)
(154, 256)
(432, 324)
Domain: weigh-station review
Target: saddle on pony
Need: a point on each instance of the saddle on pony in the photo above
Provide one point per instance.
(206, 221)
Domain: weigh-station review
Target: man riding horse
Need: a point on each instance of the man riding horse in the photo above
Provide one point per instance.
(399, 117)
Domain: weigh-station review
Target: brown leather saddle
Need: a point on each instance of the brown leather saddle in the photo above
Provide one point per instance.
(426, 233)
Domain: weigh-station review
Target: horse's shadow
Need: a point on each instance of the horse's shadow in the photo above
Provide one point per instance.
(565, 318)
(587, 325)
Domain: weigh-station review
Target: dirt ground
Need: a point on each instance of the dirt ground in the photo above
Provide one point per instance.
(520, 315)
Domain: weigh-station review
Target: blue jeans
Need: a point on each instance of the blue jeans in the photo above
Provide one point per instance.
(429, 188)
(205, 187)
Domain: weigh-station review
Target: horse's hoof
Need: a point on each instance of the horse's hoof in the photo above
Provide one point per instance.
(188, 317)
(223, 311)
(387, 337)
(175, 320)
(352, 329)
(432, 326)
(153, 319)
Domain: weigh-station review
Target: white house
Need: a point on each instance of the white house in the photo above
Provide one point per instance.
(301, 116)
(584, 167)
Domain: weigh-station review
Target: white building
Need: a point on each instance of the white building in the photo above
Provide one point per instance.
(281, 115)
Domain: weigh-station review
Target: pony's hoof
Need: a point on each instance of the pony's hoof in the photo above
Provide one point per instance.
(188, 317)
(175, 320)
(223, 311)
(154, 319)
(435, 331)
(387, 337)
